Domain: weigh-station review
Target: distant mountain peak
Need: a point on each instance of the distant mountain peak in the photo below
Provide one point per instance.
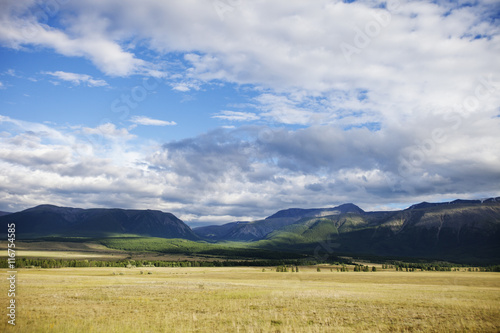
(349, 208)
(49, 207)
(300, 212)
(423, 204)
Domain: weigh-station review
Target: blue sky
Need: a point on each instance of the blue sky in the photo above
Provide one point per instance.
(229, 110)
(33, 84)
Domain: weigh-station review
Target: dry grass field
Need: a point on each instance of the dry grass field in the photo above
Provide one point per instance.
(243, 299)
(86, 250)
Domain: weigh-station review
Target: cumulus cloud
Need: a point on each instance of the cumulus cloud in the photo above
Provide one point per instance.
(402, 55)
(77, 79)
(247, 172)
(22, 24)
(142, 120)
(72, 167)
(323, 165)
(367, 102)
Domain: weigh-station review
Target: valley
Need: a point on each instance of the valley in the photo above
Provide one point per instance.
(246, 299)
(461, 231)
(429, 268)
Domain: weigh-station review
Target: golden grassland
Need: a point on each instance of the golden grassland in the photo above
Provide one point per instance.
(87, 250)
(247, 299)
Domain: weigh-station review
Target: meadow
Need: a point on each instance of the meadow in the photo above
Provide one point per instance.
(251, 299)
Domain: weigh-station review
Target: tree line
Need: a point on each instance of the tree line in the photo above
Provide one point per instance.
(441, 267)
(60, 263)
(282, 265)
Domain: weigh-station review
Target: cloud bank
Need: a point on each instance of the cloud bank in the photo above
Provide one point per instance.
(376, 103)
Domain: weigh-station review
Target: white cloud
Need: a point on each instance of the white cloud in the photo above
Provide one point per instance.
(12, 72)
(40, 130)
(286, 110)
(77, 79)
(247, 172)
(109, 131)
(416, 54)
(142, 120)
(1, 85)
(72, 167)
(236, 116)
(181, 87)
(411, 115)
(20, 26)
(423, 54)
(184, 85)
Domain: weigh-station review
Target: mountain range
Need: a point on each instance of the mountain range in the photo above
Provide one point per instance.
(49, 220)
(461, 230)
(256, 230)
(467, 231)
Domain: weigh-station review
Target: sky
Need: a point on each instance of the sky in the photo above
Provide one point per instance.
(229, 110)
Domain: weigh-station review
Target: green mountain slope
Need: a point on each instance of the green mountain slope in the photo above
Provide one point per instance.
(459, 230)
(47, 220)
(256, 230)
(462, 230)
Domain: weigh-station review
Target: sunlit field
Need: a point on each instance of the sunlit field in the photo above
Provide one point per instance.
(86, 250)
(242, 299)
